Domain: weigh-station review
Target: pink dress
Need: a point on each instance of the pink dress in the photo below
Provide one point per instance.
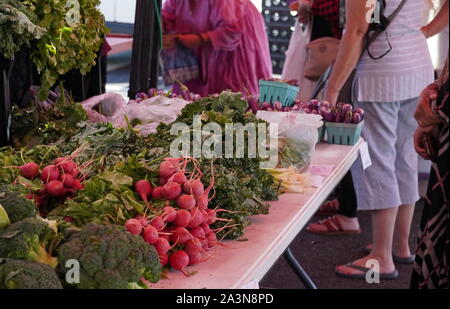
(238, 55)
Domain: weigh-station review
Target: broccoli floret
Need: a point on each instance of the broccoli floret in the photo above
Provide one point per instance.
(27, 240)
(21, 274)
(110, 258)
(16, 205)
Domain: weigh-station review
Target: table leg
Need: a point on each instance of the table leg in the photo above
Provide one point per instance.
(301, 273)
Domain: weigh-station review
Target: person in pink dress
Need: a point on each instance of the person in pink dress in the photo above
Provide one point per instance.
(229, 37)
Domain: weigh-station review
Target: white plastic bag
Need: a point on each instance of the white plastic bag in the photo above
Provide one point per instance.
(298, 136)
(112, 106)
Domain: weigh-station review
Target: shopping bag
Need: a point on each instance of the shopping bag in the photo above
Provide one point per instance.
(180, 64)
(296, 54)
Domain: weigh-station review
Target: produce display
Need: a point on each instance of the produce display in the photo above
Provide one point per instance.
(70, 183)
(66, 35)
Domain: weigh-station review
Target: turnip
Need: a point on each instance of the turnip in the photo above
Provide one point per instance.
(197, 218)
(55, 188)
(166, 169)
(180, 235)
(29, 170)
(50, 173)
(170, 214)
(186, 202)
(133, 226)
(180, 178)
(172, 191)
(183, 218)
(150, 235)
(179, 260)
(194, 187)
(67, 180)
(198, 232)
(144, 189)
(162, 246)
(158, 223)
(157, 193)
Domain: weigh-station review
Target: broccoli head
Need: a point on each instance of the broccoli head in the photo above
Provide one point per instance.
(27, 240)
(16, 205)
(110, 258)
(21, 274)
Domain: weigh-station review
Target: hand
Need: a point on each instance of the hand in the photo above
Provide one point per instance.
(169, 41)
(425, 31)
(304, 13)
(331, 96)
(424, 114)
(418, 139)
(191, 41)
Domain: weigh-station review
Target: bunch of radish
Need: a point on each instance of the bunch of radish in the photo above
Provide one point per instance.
(61, 179)
(180, 231)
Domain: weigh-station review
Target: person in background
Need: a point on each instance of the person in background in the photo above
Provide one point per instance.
(431, 268)
(229, 37)
(387, 88)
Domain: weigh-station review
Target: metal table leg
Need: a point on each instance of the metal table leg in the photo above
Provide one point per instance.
(301, 273)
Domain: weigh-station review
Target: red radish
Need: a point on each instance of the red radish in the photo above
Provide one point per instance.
(202, 201)
(170, 214)
(179, 260)
(29, 170)
(194, 187)
(150, 235)
(212, 239)
(186, 202)
(180, 235)
(133, 226)
(69, 219)
(144, 189)
(206, 228)
(166, 169)
(162, 181)
(164, 259)
(68, 191)
(195, 258)
(57, 161)
(162, 246)
(205, 244)
(171, 191)
(196, 218)
(193, 245)
(75, 172)
(68, 166)
(77, 185)
(67, 180)
(158, 223)
(180, 178)
(198, 232)
(55, 188)
(212, 216)
(40, 200)
(142, 220)
(157, 193)
(183, 218)
(166, 237)
(49, 173)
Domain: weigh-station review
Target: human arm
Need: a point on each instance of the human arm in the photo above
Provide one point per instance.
(350, 49)
(438, 23)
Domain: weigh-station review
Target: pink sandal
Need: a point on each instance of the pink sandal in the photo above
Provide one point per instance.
(329, 208)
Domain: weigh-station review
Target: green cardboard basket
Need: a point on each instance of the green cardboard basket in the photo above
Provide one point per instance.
(272, 92)
(343, 133)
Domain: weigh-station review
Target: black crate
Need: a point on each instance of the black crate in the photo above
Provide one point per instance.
(279, 24)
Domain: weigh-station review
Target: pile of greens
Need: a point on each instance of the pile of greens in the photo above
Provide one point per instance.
(17, 27)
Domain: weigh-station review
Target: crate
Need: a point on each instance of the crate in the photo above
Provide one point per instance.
(343, 133)
(277, 91)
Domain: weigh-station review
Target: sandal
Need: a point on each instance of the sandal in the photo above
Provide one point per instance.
(397, 259)
(329, 208)
(387, 276)
(333, 227)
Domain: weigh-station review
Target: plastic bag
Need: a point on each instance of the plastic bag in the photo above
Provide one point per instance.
(179, 65)
(111, 105)
(298, 136)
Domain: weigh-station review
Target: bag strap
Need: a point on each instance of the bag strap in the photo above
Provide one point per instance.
(372, 38)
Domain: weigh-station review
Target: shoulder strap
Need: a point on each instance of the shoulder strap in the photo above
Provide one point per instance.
(390, 19)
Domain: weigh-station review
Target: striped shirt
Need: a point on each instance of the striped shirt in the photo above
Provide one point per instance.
(407, 69)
